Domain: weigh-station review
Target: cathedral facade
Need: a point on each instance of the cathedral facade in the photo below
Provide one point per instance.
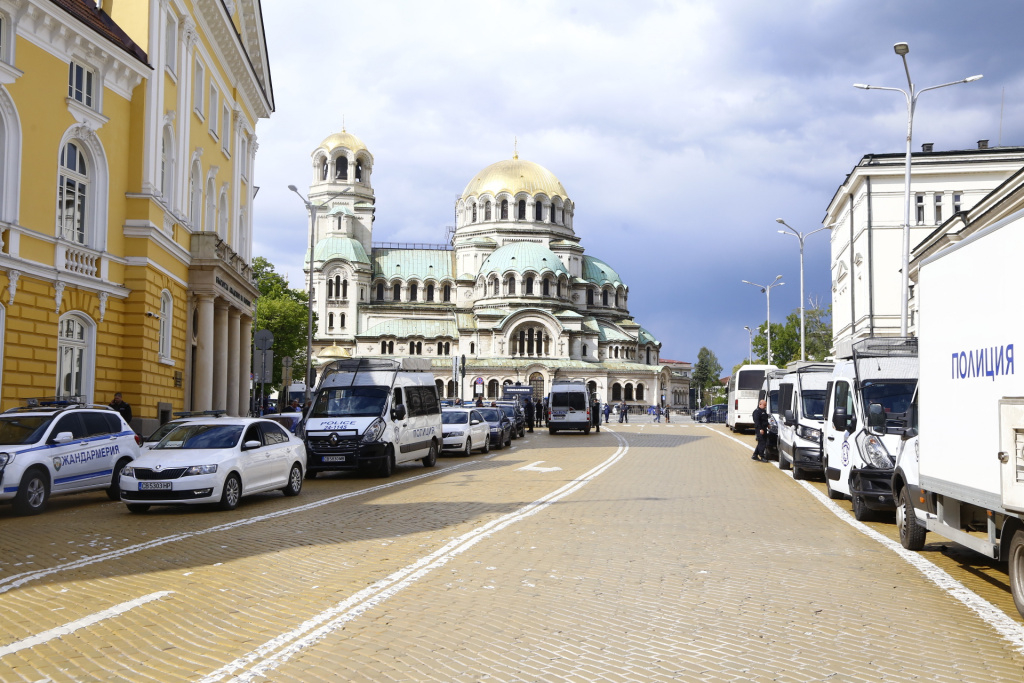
(512, 289)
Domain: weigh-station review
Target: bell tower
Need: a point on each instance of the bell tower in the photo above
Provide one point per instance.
(342, 189)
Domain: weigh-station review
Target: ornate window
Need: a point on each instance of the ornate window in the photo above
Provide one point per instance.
(430, 292)
(80, 84)
(330, 321)
(546, 287)
(504, 209)
(413, 291)
(330, 288)
(590, 297)
(538, 212)
(511, 285)
(324, 170)
(474, 213)
(72, 194)
(639, 392)
(492, 389)
(521, 210)
(616, 392)
(494, 287)
(446, 294)
(472, 347)
(396, 292)
(648, 356)
(629, 392)
(359, 170)
(76, 356)
(604, 297)
(343, 320)
(166, 324)
(344, 290)
(487, 210)
(341, 168)
(529, 285)
(380, 291)
(383, 348)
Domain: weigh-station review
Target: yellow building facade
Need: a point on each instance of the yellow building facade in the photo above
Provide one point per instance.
(127, 142)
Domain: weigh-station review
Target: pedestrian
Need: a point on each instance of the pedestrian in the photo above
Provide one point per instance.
(667, 418)
(595, 414)
(760, 416)
(458, 401)
(479, 401)
(123, 408)
(607, 412)
(528, 409)
(540, 413)
(657, 413)
(294, 407)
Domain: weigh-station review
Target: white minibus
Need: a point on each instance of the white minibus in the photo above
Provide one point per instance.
(744, 389)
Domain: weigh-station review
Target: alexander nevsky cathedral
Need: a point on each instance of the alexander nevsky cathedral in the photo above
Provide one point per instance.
(511, 288)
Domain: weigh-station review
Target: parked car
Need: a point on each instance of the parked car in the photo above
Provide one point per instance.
(61, 448)
(515, 413)
(215, 460)
(702, 414)
(464, 430)
(718, 413)
(499, 425)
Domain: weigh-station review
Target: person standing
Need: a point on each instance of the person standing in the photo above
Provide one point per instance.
(540, 412)
(121, 407)
(607, 412)
(657, 413)
(529, 410)
(760, 416)
(667, 418)
(595, 414)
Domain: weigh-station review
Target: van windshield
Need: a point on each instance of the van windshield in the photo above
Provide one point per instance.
(19, 429)
(814, 403)
(569, 399)
(750, 380)
(894, 396)
(350, 402)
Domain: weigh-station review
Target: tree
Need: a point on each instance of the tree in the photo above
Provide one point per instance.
(707, 371)
(786, 338)
(284, 312)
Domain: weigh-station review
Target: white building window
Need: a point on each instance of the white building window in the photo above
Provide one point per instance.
(198, 88)
(80, 83)
(920, 209)
(956, 203)
(72, 194)
(166, 324)
(76, 356)
(171, 44)
(938, 208)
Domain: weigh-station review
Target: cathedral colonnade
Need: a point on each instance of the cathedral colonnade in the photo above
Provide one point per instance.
(221, 355)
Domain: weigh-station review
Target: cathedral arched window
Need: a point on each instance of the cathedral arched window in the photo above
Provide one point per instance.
(538, 212)
(380, 291)
(447, 348)
(330, 320)
(472, 347)
(629, 392)
(546, 287)
(558, 288)
(447, 293)
(616, 392)
(492, 389)
(487, 210)
(474, 213)
(324, 169)
(616, 299)
(344, 289)
(511, 285)
(337, 286)
(639, 392)
(341, 168)
(604, 298)
(554, 214)
(330, 288)
(359, 170)
(504, 209)
(430, 292)
(396, 292)
(413, 291)
(648, 356)
(584, 350)
(521, 215)
(616, 351)
(440, 348)
(343, 320)
(494, 286)
(590, 297)
(391, 347)
(529, 285)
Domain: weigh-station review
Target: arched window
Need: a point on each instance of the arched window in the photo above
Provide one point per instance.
(324, 169)
(391, 347)
(380, 291)
(504, 209)
(341, 168)
(487, 210)
(413, 291)
(166, 324)
(616, 392)
(447, 296)
(554, 214)
(330, 321)
(629, 392)
(639, 392)
(604, 297)
(383, 347)
(472, 347)
(330, 288)
(538, 212)
(558, 289)
(584, 350)
(440, 348)
(343, 320)
(648, 356)
(451, 388)
(590, 297)
(210, 221)
(494, 286)
(474, 213)
(337, 286)
(616, 351)
(222, 217)
(592, 388)
(616, 299)
(72, 191)
(522, 210)
(492, 389)
(529, 285)
(430, 292)
(511, 285)
(76, 356)
(447, 348)
(359, 170)
(396, 292)
(344, 289)
(546, 287)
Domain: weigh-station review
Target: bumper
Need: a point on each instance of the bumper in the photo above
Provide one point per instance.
(807, 458)
(874, 486)
(184, 490)
(454, 443)
(348, 456)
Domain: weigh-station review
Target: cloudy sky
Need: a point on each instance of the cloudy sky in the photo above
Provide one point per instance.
(681, 130)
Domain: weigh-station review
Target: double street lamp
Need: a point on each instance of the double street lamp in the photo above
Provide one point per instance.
(767, 289)
(800, 236)
(312, 209)
(911, 94)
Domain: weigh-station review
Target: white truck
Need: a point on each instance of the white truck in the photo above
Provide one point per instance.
(867, 413)
(962, 476)
(801, 406)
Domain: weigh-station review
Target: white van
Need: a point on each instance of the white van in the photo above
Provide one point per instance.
(802, 411)
(744, 394)
(569, 406)
(373, 413)
(770, 393)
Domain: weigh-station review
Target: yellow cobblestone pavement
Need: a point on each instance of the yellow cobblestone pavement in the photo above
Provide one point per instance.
(677, 558)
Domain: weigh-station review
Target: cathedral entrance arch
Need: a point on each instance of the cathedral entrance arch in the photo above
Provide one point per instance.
(537, 383)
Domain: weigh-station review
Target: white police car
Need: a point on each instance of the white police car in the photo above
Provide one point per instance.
(50, 449)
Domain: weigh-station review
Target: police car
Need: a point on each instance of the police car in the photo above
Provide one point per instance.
(60, 447)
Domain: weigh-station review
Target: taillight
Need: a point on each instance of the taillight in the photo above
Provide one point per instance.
(736, 406)
(138, 440)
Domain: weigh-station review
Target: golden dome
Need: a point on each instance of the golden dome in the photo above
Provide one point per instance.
(343, 139)
(331, 353)
(514, 176)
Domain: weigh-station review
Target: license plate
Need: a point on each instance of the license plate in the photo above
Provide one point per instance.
(154, 486)
(334, 458)
(559, 413)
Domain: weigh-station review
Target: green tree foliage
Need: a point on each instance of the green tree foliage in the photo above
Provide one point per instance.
(707, 371)
(284, 312)
(786, 338)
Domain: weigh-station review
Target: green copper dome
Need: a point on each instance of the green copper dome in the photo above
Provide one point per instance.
(600, 273)
(338, 247)
(521, 257)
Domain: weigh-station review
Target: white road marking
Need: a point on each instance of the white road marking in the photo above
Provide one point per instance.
(278, 650)
(989, 613)
(534, 468)
(73, 626)
(18, 580)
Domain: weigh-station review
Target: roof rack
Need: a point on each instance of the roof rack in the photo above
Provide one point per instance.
(885, 347)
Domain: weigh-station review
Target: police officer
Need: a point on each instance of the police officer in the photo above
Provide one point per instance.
(528, 409)
(595, 414)
(760, 416)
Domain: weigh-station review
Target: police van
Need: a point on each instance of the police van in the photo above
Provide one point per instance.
(372, 414)
(569, 406)
(801, 402)
(57, 447)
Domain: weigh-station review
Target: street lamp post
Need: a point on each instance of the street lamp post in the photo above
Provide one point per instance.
(800, 236)
(312, 209)
(911, 94)
(750, 343)
(767, 289)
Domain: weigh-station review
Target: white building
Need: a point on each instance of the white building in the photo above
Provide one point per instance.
(866, 221)
(512, 290)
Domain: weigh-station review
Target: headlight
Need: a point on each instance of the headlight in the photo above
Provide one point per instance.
(199, 469)
(495, 428)
(873, 451)
(810, 433)
(127, 471)
(5, 458)
(453, 433)
(375, 431)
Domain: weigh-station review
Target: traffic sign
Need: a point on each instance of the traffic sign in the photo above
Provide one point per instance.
(264, 340)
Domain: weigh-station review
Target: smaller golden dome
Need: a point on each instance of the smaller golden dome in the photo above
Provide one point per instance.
(515, 176)
(331, 353)
(343, 139)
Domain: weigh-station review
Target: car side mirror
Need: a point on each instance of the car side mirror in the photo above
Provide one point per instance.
(63, 437)
(249, 445)
(789, 417)
(876, 418)
(840, 420)
(474, 422)
(398, 412)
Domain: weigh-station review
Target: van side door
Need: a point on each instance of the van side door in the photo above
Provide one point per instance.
(840, 448)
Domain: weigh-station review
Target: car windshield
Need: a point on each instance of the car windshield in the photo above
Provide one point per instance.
(894, 396)
(814, 403)
(490, 414)
(201, 437)
(350, 402)
(162, 431)
(454, 418)
(21, 429)
(508, 410)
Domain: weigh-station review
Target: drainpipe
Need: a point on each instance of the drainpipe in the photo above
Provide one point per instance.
(853, 280)
(871, 268)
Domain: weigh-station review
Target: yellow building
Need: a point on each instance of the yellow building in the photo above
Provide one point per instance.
(127, 144)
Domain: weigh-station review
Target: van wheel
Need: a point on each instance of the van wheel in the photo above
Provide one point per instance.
(861, 512)
(798, 472)
(431, 458)
(33, 493)
(1016, 568)
(137, 507)
(387, 465)
(912, 534)
(232, 492)
(586, 430)
(783, 463)
(114, 490)
(294, 485)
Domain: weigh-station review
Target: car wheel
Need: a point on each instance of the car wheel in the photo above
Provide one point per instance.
(799, 472)
(294, 485)
(137, 507)
(861, 512)
(387, 465)
(232, 492)
(431, 458)
(487, 443)
(912, 534)
(33, 493)
(509, 442)
(114, 490)
(469, 446)
(1016, 569)
(522, 432)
